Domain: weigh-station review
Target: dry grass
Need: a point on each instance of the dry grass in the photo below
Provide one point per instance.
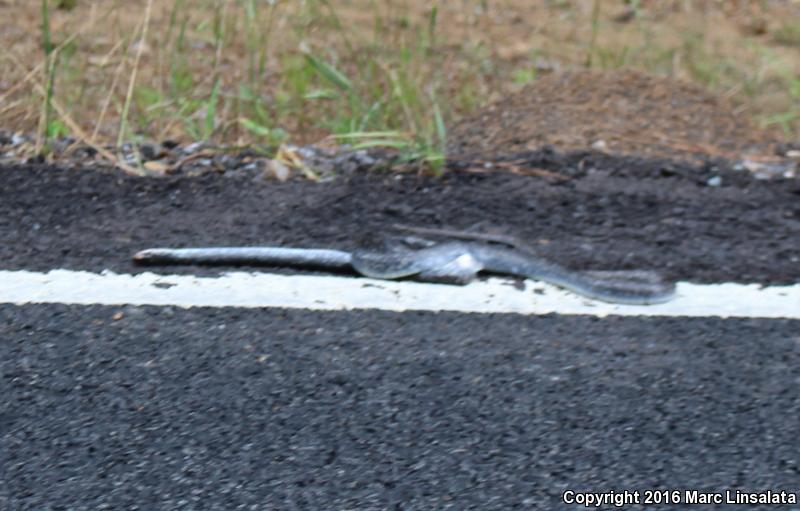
(255, 72)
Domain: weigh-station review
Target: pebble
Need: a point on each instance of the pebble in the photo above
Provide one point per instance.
(316, 162)
(769, 170)
(148, 151)
(192, 148)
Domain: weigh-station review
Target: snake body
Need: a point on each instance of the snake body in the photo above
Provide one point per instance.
(313, 257)
(459, 263)
(451, 262)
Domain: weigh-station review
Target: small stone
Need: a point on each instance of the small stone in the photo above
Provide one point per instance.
(278, 170)
(305, 152)
(156, 166)
(714, 182)
(599, 145)
(364, 158)
(768, 170)
(193, 148)
(148, 151)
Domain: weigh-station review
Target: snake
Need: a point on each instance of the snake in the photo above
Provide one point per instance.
(454, 262)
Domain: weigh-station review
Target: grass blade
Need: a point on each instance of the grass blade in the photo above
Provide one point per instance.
(330, 73)
(369, 134)
(211, 111)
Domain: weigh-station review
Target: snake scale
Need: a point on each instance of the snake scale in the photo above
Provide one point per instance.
(453, 262)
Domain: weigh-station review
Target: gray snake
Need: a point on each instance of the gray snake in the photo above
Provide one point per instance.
(454, 262)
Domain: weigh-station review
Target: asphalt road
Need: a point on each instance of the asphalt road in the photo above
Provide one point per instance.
(156, 408)
(163, 408)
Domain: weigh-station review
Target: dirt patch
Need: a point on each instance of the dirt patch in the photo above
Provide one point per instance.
(703, 223)
(622, 112)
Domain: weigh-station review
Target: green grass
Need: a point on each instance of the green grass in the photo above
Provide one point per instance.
(262, 73)
(48, 127)
(346, 91)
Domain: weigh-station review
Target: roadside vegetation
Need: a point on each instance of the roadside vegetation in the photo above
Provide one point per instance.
(261, 73)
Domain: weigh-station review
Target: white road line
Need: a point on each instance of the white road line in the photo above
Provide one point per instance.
(342, 293)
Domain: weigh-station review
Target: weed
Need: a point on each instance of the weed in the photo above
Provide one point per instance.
(595, 31)
(263, 71)
(132, 82)
(46, 127)
(783, 120)
(788, 34)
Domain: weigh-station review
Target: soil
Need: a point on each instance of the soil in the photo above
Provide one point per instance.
(621, 112)
(703, 223)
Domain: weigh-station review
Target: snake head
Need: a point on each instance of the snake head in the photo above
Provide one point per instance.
(151, 256)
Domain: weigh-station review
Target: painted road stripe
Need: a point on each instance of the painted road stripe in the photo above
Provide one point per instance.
(240, 289)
